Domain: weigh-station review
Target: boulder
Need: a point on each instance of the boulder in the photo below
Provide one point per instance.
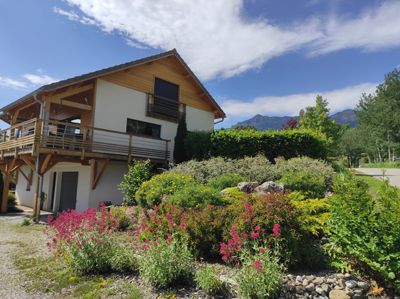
(269, 187)
(338, 294)
(247, 187)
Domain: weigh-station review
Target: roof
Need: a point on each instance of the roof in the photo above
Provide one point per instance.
(105, 71)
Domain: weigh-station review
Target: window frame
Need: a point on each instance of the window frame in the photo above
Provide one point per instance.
(146, 123)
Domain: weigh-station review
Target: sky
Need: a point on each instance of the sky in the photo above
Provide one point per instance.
(265, 57)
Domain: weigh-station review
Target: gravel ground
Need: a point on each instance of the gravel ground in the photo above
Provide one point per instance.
(11, 281)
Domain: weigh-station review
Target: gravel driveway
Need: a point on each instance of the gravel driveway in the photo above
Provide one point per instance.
(11, 281)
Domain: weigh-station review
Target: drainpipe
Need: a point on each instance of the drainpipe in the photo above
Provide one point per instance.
(39, 183)
(219, 121)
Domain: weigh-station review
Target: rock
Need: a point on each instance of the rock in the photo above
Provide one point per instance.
(351, 284)
(330, 280)
(318, 280)
(299, 278)
(325, 287)
(363, 285)
(320, 291)
(247, 187)
(310, 277)
(310, 287)
(269, 187)
(305, 282)
(338, 294)
(347, 275)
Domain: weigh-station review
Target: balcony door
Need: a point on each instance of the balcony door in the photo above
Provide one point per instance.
(69, 188)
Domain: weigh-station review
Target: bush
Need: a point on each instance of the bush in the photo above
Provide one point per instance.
(166, 262)
(225, 181)
(256, 168)
(195, 196)
(161, 186)
(125, 217)
(138, 173)
(317, 167)
(86, 240)
(207, 279)
(198, 145)
(364, 231)
(123, 260)
(260, 275)
(232, 194)
(240, 143)
(306, 182)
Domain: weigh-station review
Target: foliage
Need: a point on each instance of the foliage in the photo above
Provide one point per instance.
(256, 168)
(225, 181)
(12, 203)
(317, 167)
(364, 231)
(195, 196)
(159, 187)
(260, 275)
(351, 144)
(308, 183)
(166, 261)
(123, 261)
(395, 164)
(235, 144)
(207, 279)
(179, 144)
(86, 240)
(138, 173)
(232, 194)
(317, 118)
(198, 145)
(125, 217)
(314, 213)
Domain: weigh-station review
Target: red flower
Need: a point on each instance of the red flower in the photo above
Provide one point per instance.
(262, 250)
(276, 231)
(257, 265)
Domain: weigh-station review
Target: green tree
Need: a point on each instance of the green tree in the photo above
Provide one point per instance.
(351, 144)
(317, 118)
(179, 147)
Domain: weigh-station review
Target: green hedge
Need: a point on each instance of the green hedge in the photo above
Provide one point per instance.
(240, 143)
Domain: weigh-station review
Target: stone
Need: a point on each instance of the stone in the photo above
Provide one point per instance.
(351, 284)
(320, 291)
(269, 187)
(247, 187)
(305, 282)
(363, 285)
(310, 287)
(338, 294)
(318, 280)
(299, 278)
(325, 287)
(330, 280)
(310, 277)
(347, 275)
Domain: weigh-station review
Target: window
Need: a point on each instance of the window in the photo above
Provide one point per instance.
(138, 127)
(165, 103)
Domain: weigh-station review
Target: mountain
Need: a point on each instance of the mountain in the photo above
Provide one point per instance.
(345, 117)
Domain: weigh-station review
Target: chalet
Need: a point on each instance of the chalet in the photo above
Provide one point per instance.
(70, 142)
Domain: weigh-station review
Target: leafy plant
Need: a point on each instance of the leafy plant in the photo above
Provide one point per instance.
(308, 183)
(159, 187)
(165, 262)
(224, 181)
(207, 279)
(138, 173)
(195, 196)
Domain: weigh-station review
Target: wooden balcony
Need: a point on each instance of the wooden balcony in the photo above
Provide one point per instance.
(38, 136)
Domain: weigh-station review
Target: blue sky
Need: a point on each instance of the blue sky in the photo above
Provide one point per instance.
(264, 57)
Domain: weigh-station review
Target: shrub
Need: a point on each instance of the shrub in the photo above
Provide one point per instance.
(308, 183)
(179, 141)
(364, 230)
(240, 143)
(225, 181)
(195, 196)
(166, 262)
(125, 217)
(256, 168)
(198, 145)
(138, 173)
(86, 240)
(207, 279)
(123, 260)
(260, 275)
(315, 166)
(232, 194)
(161, 186)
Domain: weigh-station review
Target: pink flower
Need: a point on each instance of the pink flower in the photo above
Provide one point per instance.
(255, 235)
(262, 250)
(257, 265)
(276, 230)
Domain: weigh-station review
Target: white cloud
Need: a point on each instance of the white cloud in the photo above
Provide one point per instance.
(39, 79)
(290, 105)
(217, 41)
(377, 27)
(12, 83)
(212, 36)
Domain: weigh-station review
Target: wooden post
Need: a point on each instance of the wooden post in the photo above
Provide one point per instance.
(4, 202)
(84, 132)
(130, 149)
(166, 150)
(36, 207)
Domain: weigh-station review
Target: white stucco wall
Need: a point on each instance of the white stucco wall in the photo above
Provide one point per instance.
(23, 196)
(199, 120)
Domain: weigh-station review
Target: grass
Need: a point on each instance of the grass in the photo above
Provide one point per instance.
(381, 165)
(373, 183)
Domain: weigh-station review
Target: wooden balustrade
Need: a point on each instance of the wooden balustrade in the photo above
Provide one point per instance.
(51, 136)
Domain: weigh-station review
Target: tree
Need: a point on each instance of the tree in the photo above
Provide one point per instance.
(317, 118)
(351, 145)
(290, 124)
(179, 147)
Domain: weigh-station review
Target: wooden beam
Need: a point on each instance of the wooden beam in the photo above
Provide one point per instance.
(28, 162)
(45, 164)
(98, 171)
(69, 92)
(4, 197)
(71, 104)
(24, 174)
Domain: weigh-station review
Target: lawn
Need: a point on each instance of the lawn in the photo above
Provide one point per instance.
(373, 183)
(381, 165)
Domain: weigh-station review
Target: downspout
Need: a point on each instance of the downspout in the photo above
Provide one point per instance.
(38, 196)
(219, 121)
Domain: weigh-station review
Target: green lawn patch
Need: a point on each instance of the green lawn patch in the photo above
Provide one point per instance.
(373, 183)
(381, 165)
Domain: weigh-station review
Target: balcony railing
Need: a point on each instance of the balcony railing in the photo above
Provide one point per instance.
(163, 108)
(50, 136)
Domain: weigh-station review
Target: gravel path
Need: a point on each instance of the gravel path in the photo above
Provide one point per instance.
(11, 281)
